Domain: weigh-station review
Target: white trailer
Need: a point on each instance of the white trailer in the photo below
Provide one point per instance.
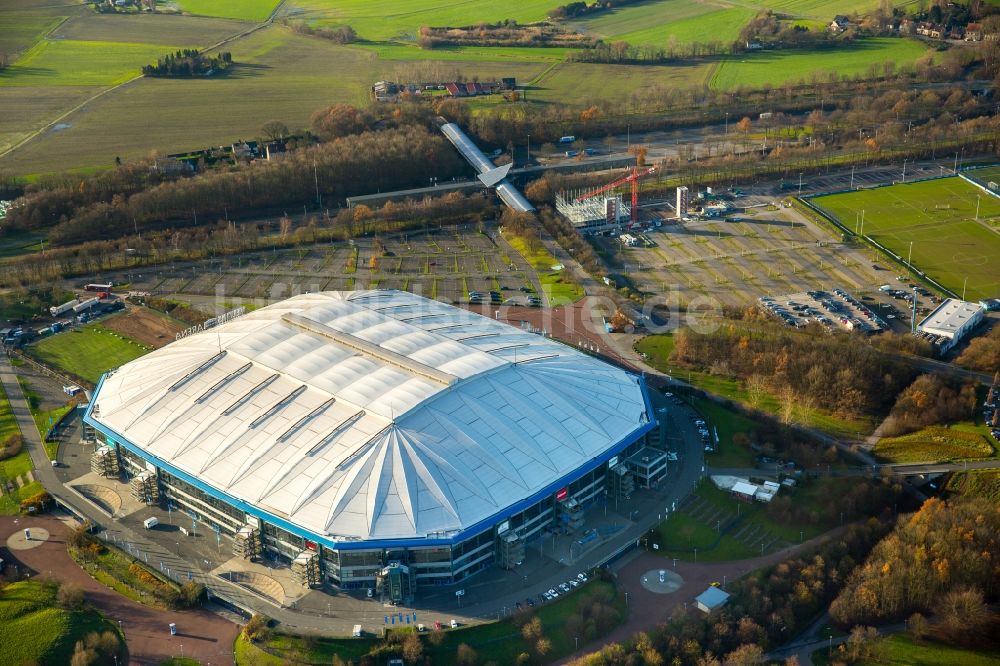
(57, 310)
(83, 306)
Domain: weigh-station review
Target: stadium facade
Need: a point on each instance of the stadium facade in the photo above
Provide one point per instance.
(374, 438)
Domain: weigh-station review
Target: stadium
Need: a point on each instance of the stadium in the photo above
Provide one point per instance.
(374, 438)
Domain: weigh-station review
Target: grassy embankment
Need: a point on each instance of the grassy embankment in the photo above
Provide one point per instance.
(659, 347)
(34, 630)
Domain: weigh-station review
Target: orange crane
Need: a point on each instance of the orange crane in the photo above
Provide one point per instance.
(631, 178)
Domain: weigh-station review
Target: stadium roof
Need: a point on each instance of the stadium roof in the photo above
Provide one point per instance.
(375, 415)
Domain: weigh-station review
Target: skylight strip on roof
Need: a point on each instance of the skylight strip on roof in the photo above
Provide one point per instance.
(222, 382)
(278, 406)
(305, 419)
(335, 433)
(201, 368)
(535, 358)
(249, 394)
(369, 443)
(369, 349)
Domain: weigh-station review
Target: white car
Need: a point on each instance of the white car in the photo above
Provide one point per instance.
(552, 593)
(564, 587)
(582, 577)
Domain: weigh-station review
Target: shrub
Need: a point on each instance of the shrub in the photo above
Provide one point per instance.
(11, 446)
(36, 503)
(70, 597)
(257, 628)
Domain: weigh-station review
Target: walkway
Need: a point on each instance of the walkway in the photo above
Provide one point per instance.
(201, 635)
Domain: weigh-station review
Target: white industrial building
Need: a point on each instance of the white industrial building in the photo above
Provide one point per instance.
(373, 435)
(951, 321)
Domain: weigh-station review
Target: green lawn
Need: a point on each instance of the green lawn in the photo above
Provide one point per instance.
(470, 54)
(34, 630)
(935, 443)
(248, 10)
(87, 352)
(753, 70)
(20, 463)
(901, 650)
(680, 534)
(499, 642)
(728, 423)
(558, 290)
(948, 244)
(80, 63)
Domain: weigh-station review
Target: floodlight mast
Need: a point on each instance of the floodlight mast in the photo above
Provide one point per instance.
(632, 178)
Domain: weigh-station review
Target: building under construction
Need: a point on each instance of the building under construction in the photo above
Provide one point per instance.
(593, 214)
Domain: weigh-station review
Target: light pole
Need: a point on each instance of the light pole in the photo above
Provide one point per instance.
(964, 285)
(851, 186)
(800, 183)
(904, 170)
(727, 123)
(978, 199)
(529, 151)
(628, 136)
(910, 255)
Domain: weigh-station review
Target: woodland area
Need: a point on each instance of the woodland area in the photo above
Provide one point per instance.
(940, 560)
(507, 33)
(834, 372)
(189, 62)
(930, 399)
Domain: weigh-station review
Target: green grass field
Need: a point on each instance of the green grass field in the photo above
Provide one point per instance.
(983, 483)
(901, 650)
(668, 22)
(754, 70)
(948, 244)
(16, 465)
(148, 29)
(87, 352)
(34, 630)
(383, 20)
(933, 444)
(246, 10)
(80, 63)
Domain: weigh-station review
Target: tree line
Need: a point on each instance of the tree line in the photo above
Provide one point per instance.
(344, 34)
(383, 160)
(929, 400)
(505, 33)
(188, 62)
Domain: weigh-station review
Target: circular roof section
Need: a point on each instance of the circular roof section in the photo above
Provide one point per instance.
(372, 415)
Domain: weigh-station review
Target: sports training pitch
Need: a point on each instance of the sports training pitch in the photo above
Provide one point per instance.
(939, 218)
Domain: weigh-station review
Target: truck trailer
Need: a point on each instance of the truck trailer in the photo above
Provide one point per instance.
(57, 310)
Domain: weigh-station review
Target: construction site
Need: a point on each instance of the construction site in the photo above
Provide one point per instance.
(599, 209)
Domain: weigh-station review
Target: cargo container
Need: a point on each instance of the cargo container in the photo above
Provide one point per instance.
(57, 310)
(83, 306)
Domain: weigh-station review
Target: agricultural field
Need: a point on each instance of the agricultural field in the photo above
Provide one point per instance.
(669, 22)
(247, 10)
(753, 70)
(86, 352)
(388, 20)
(80, 63)
(148, 29)
(579, 83)
(934, 444)
(938, 217)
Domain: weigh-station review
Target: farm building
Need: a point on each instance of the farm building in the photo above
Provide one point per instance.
(951, 321)
(374, 434)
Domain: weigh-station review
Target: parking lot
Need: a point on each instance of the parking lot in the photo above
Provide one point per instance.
(734, 261)
(834, 309)
(446, 265)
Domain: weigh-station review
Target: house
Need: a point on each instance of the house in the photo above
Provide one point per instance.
(744, 491)
(508, 83)
(455, 89)
(274, 150)
(711, 599)
(839, 24)
(930, 30)
(974, 32)
(957, 32)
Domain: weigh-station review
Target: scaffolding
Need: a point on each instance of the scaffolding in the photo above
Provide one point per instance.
(104, 462)
(305, 568)
(595, 213)
(246, 543)
(145, 488)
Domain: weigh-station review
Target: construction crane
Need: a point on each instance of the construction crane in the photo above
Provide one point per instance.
(631, 178)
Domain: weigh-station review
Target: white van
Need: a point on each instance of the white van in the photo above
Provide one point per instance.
(357, 631)
(150, 523)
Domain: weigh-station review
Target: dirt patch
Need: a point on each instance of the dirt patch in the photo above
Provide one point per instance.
(146, 326)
